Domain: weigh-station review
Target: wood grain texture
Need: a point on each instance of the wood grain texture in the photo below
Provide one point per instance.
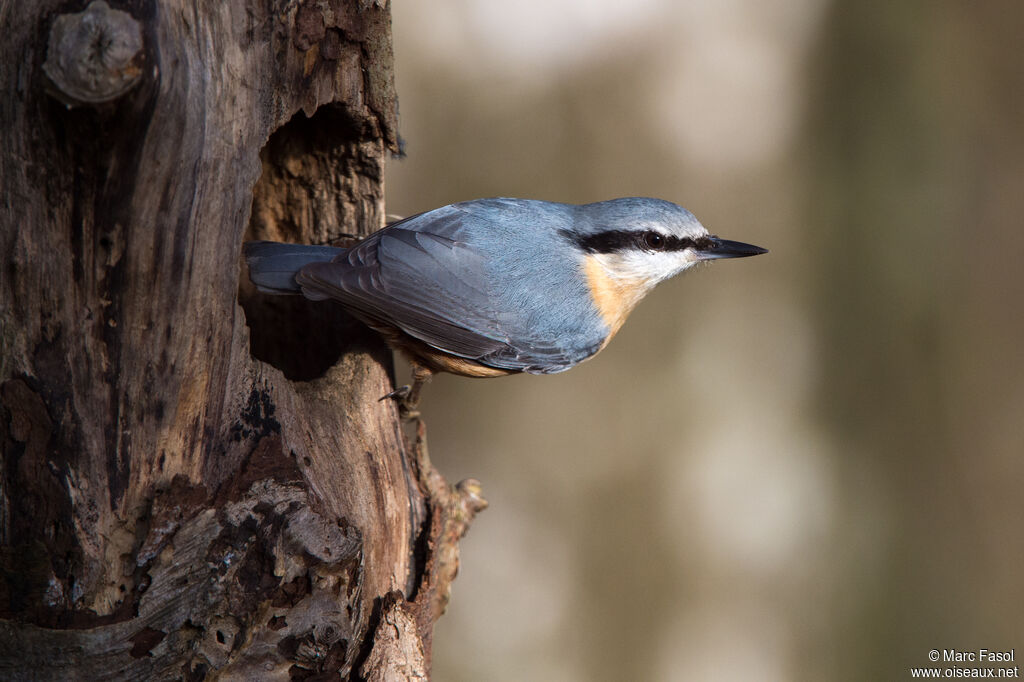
(170, 506)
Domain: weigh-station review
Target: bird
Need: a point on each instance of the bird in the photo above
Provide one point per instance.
(491, 287)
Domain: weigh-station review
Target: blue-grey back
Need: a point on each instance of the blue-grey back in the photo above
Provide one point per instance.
(493, 280)
(540, 292)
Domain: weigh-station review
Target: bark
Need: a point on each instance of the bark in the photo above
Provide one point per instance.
(197, 481)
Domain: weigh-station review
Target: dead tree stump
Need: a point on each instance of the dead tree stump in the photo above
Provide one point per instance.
(196, 482)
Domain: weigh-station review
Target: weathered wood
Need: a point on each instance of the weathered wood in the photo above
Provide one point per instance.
(171, 506)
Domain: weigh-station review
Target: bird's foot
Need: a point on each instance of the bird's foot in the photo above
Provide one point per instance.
(408, 397)
(400, 393)
(407, 402)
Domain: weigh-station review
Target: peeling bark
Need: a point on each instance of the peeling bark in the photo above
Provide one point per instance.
(197, 481)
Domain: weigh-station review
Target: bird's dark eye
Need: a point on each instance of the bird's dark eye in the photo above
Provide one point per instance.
(654, 240)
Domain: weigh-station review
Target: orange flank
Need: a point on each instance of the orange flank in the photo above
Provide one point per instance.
(434, 360)
(613, 297)
(462, 366)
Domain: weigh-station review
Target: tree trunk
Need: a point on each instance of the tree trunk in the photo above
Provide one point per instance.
(197, 481)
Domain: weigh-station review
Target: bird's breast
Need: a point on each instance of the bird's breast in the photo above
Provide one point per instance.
(614, 297)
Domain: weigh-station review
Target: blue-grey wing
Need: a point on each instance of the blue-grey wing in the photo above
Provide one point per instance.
(424, 277)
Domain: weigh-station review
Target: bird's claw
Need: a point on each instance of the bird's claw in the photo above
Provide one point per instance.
(399, 394)
(406, 400)
(408, 397)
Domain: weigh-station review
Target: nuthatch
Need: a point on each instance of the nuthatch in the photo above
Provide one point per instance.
(491, 287)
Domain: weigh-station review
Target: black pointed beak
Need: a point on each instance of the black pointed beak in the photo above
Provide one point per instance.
(723, 248)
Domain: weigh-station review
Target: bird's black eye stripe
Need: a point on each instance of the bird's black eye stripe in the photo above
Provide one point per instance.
(612, 241)
(608, 241)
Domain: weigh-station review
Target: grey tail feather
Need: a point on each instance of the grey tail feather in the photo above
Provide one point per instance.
(273, 266)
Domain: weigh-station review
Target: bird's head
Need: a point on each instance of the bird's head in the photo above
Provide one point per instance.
(645, 241)
(629, 245)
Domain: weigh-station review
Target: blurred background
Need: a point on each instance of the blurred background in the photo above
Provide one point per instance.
(802, 466)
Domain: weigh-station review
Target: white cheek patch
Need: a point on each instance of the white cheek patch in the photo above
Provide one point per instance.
(647, 266)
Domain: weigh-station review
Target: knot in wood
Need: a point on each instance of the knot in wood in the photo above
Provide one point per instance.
(94, 56)
(471, 498)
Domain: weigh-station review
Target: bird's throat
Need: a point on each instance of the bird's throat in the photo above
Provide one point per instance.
(614, 297)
